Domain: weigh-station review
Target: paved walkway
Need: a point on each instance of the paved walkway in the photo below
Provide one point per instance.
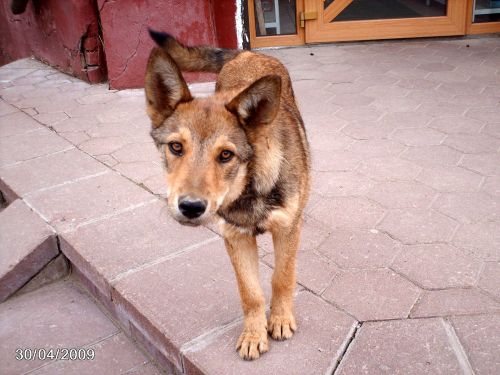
(399, 267)
(63, 317)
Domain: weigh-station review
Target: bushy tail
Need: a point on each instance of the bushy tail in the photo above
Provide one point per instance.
(193, 59)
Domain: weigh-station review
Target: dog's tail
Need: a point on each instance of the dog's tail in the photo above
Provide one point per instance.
(193, 59)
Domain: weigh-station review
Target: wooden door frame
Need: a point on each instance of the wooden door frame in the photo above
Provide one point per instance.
(457, 23)
(318, 31)
(275, 40)
(479, 28)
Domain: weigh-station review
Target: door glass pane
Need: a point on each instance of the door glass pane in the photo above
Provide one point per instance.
(275, 17)
(486, 11)
(357, 10)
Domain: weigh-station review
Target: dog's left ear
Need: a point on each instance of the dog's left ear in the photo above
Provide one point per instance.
(259, 102)
(165, 87)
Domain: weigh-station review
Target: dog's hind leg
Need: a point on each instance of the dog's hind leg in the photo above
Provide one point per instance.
(282, 324)
(242, 249)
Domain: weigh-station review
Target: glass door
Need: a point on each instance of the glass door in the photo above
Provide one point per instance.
(347, 20)
(275, 23)
(484, 16)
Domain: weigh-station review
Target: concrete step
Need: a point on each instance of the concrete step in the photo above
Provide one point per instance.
(68, 334)
(27, 245)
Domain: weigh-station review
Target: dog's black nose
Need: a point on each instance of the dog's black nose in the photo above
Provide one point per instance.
(192, 208)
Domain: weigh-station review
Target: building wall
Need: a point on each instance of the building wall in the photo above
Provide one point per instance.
(125, 31)
(63, 34)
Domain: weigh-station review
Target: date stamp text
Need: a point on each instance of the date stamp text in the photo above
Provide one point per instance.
(49, 354)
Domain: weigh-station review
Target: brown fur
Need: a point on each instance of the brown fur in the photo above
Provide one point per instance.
(263, 187)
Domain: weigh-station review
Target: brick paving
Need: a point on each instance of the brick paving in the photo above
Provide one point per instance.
(398, 271)
(62, 316)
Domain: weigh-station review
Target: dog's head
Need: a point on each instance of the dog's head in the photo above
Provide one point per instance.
(206, 143)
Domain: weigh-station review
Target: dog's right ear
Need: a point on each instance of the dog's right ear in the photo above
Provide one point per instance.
(165, 87)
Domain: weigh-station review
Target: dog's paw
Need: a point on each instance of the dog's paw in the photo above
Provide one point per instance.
(281, 327)
(252, 343)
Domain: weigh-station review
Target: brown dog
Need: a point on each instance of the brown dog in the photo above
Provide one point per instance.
(240, 156)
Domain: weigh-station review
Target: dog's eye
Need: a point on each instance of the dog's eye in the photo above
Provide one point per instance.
(175, 148)
(225, 156)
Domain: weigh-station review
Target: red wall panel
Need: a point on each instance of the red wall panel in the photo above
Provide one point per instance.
(53, 31)
(128, 44)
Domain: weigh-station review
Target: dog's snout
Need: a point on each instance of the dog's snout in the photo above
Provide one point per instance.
(192, 208)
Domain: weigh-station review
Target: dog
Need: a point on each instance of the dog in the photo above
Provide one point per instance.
(240, 157)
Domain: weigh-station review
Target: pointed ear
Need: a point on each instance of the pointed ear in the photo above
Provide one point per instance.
(259, 102)
(165, 87)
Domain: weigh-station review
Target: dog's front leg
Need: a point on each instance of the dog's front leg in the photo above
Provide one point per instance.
(282, 322)
(242, 249)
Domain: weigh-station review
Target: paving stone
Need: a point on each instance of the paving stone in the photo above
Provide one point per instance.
(340, 184)
(480, 239)
(30, 145)
(486, 164)
(388, 169)
(347, 212)
(314, 271)
(329, 161)
(51, 118)
(412, 226)
(139, 171)
(70, 205)
(400, 194)
(474, 99)
(469, 207)
(453, 302)
(410, 347)
(487, 114)
(322, 123)
(76, 138)
(436, 67)
(194, 280)
(28, 244)
(114, 355)
(492, 129)
(6, 108)
(384, 90)
(490, 278)
(373, 294)
(51, 325)
(324, 141)
(473, 143)
(314, 349)
(464, 88)
(436, 266)
(364, 130)
(417, 83)
(50, 170)
(156, 184)
(75, 124)
(360, 114)
(450, 179)
(351, 100)
(449, 76)
(103, 146)
(137, 152)
(492, 186)
(17, 123)
(107, 249)
(479, 337)
(376, 148)
(418, 136)
(395, 104)
(360, 248)
(53, 271)
(429, 156)
(441, 109)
